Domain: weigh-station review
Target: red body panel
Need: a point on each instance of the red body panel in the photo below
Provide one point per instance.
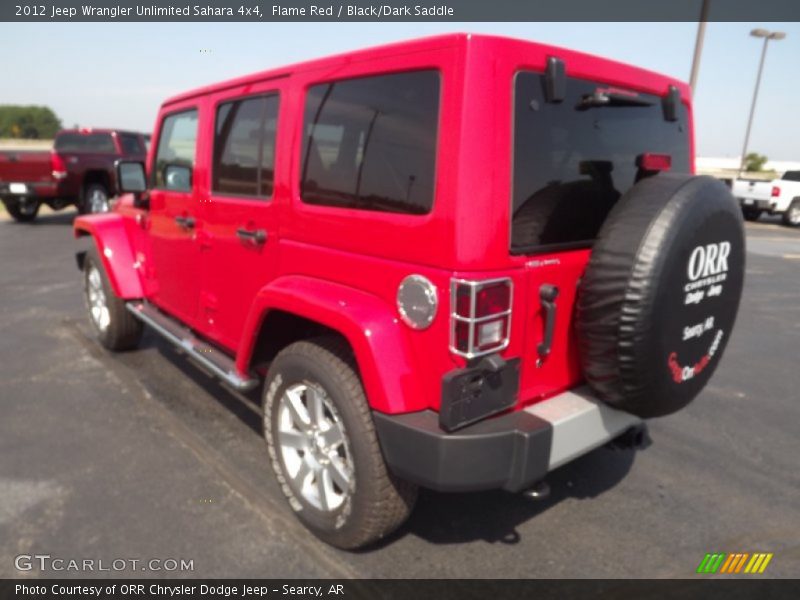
(114, 247)
(29, 166)
(342, 267)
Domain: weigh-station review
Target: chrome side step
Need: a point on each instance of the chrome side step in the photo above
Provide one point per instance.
(218, 363)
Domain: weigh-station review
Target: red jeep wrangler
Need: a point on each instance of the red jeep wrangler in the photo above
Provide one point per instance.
(456, 263)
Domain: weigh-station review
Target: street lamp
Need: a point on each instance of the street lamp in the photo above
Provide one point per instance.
(767, 35)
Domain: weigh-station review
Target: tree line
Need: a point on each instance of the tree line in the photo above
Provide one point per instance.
(28, 122)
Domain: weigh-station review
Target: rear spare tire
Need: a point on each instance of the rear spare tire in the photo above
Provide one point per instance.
(659, 298)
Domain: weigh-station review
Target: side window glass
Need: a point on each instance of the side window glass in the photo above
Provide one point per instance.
(244, 146)
(176, 151)
(130, 144)
(370, 143)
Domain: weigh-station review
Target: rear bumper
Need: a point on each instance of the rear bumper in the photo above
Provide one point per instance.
(511, 452)
(759, 204)
(39, 190)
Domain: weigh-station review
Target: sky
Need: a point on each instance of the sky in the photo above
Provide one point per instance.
(117, 74)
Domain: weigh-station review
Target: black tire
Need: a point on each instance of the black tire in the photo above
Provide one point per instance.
(376, 502)
(750, 213)
(120, 330)
(659, 298)
(95, 199)
(27, 215)
(791, 218)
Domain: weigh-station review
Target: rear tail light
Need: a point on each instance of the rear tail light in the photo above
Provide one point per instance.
(480, 316)
(654, 162)
(57, 166)
(776, 191)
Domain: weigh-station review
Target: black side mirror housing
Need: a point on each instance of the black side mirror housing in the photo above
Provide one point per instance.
(132, 179)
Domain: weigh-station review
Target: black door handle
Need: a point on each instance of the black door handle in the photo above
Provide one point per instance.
(255, 236)
(185, 222)
(547, 296)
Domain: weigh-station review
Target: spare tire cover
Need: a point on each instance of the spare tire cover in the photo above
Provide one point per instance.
(659, 298)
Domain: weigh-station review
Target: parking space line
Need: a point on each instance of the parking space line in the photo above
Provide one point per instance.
(254, 497)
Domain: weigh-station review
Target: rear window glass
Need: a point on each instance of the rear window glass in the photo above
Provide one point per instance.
(244, 146)
(370, 143)
(574, 159)
(100, 143)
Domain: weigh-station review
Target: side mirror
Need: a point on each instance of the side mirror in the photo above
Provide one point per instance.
(131, 177)
(178, 177)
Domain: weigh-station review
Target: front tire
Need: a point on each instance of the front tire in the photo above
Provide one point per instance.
(22, 212)
(324, 450)
(115, 327)
(96, 199)
(791, 218)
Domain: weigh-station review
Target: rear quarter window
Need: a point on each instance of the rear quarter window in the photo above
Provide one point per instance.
(131, 144)
(370, 143)
(574, 159)
(97, 143)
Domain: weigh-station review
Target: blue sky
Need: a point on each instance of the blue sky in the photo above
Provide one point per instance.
(117, 74)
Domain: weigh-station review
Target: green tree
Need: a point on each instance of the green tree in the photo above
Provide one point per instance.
(754, 162)
(28, 122)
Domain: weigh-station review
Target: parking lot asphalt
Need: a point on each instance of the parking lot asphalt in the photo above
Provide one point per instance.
(142, 456)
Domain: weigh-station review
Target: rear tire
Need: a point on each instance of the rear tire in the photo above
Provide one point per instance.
(750, 213)
(95, 199)
(791, 218)
(22, 213)
(115, 327)
(324, 450)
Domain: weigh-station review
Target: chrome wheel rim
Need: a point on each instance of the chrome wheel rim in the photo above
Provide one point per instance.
(96, 299)
(313, 446)
(794, 215)
(98, 201)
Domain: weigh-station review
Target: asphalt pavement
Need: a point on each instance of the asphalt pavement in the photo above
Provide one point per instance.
(141, 456)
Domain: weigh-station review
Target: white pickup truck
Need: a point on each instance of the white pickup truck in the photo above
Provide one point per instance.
(779, 196)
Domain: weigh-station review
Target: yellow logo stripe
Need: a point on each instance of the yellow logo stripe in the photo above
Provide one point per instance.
(764, 564)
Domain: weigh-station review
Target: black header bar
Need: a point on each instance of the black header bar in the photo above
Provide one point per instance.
(395, 10)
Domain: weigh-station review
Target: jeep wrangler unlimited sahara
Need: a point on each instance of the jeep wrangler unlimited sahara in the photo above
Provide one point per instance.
(457, 263)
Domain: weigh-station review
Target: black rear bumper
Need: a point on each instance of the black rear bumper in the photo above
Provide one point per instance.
(511, 451)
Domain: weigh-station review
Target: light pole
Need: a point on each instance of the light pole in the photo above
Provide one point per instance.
(767, 35)
(698, 45)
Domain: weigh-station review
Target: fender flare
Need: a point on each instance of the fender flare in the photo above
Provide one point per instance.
(114, 249)
(368, 323)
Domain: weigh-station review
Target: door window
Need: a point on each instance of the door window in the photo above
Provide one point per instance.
(176, 151)
(244, 147)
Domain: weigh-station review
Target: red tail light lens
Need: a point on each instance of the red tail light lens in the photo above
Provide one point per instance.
(654, 162)
(776, 191)
(480, 316)
(57, 166)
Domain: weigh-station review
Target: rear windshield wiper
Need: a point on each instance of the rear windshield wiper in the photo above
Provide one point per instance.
(599, 99)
